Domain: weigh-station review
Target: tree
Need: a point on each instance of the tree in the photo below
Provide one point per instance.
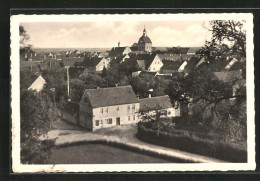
(228, 39)
(141, 84)
(24, 38)
(153, 119)
(213, 102)
(37, 114)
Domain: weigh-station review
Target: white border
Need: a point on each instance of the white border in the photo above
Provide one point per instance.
(15, 95)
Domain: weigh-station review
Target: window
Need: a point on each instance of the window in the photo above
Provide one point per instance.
(101, 121)
(97, 122)
(169, 112)
(128, 108)
(107, 121)
(117, 108)
(110, 121)
(134, 117)
(128, 118)
(107, 109)
(101, 110)
(133, 107)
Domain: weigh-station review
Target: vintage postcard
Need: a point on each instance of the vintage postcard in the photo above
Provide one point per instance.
(139, 92)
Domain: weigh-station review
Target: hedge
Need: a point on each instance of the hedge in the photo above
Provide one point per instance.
(214, 149)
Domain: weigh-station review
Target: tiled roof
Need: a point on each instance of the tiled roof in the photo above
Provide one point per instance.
(171, 65)
(160, 102)
(192, 63)
(116, 51)
(144, 39)
(237, 66)
(103, 97)
(143, 61)
(227, 76)
(148, 58)
(91, 62)
(38, 84)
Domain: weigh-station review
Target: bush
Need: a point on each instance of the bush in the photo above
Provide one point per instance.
(192, 143)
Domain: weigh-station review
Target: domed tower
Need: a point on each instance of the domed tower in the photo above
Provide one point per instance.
(144, 43)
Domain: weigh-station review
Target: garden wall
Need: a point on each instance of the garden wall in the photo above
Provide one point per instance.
(215, 149)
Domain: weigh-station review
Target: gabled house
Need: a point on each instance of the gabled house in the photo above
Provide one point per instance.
(160, 103)
(171, 66)
(106, 107)
(96, 64)
(119, 51)
(38, 84)
(145, 62)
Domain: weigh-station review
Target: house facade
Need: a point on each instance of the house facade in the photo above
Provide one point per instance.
(156, 64)
(95, 63)
(160, 103)
(106, 107)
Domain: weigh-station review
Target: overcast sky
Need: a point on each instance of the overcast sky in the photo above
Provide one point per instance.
(108, 34)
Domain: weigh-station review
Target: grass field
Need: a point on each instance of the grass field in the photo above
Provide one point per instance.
(99, 154)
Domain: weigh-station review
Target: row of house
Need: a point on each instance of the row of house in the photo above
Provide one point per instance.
(106, 107)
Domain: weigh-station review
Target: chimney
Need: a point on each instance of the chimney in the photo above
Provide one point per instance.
(119, 44)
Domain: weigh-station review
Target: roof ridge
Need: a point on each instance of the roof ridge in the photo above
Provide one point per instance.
(154, 97)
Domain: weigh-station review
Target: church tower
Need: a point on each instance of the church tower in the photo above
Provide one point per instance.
(144, 43)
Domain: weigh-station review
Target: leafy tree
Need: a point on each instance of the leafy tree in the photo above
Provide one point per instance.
(141, 84)
(213, 102)
(37, 114)
(155, 120)
(228, 39)
(24, 38)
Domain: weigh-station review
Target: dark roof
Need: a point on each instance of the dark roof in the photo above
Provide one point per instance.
(133, 48)
(192, 63)
(228, 76)
(91, 61)
(147, 58)
(103, 97)
(144, 39)
(237, 66)
(171, 65)
(160, 102)
(116, 51)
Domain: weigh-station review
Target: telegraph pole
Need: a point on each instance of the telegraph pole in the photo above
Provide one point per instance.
(68, 80)
(53, 91)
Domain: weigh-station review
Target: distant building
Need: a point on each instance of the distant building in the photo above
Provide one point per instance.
(106, 107)
(193, 50)
(119, 51)
(96, 64)
(144, 43)
(145, 62)
(162, 103)
(38, 84)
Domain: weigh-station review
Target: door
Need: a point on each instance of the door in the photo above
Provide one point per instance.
(118, 121)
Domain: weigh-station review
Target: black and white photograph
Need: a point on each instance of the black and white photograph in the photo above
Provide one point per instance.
(139, 92)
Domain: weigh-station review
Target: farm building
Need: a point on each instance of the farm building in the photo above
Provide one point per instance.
(106, 107)
(160, 103)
